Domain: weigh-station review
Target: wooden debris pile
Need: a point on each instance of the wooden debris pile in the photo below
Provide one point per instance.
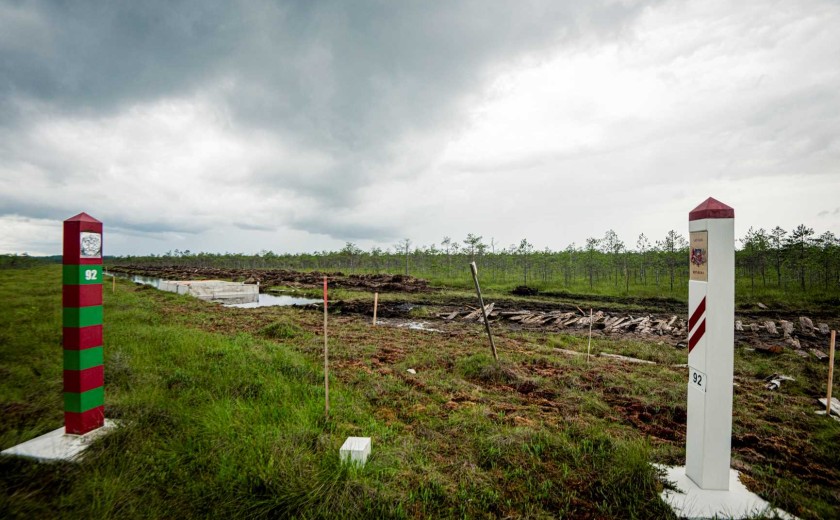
(806, 327)
(767, 335)
(561, 319)
(787, 335)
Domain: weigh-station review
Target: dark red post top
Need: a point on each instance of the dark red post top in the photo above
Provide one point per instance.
(711, 208)
(73, 227)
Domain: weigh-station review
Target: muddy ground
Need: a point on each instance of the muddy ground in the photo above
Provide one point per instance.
(274, 277)
(662, 320)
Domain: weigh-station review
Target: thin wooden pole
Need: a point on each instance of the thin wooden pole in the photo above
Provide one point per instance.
(474, 270)
(830, 373)
(113, 284)
(375, 304)
(326, 358)
(589, 344)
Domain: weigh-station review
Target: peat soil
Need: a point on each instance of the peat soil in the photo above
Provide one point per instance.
(435, 304)
(273, 277)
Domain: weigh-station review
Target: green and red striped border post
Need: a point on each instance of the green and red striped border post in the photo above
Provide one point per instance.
(84, 377)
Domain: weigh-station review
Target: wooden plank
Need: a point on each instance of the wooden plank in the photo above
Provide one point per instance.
(835, 405)
(632, 322)
(531, 320)
(476, 314)
(627, 359)
(806, 324)
(819, 354)
(489, 308)
(787, 328)
(618, 323)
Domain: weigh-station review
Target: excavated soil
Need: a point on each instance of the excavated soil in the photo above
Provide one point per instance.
(663, 320)
(271, 277)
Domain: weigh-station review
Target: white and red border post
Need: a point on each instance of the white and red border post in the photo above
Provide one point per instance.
(711, 341)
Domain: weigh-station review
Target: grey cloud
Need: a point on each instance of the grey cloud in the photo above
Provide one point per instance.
(150, 226)
(349, 81)
(34, 208)
(341, 228)
(252, 227)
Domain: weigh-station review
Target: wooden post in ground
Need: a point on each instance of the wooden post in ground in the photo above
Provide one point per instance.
(326, 358)
(589, 344)
(830, 374)
(375, 304)
(113, 284)
(474, 270)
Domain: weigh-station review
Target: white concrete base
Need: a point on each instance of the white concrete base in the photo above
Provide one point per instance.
(689, 501)
(214, 290)
(355, 449)
(57, 445)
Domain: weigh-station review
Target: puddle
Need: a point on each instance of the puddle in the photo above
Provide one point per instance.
(271, 300)
(413, 325)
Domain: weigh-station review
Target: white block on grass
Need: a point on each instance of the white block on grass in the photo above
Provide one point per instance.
(355, 449)
(57, 445)
(691, 501)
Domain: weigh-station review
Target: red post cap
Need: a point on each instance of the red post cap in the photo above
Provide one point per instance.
(82, 217)
(711, 208)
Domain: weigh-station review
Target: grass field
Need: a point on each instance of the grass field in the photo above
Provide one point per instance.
(223, 417)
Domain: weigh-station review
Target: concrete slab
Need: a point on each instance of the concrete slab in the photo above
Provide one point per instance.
(355, 449)
(689, 501)
(57, 445)
(214, 290)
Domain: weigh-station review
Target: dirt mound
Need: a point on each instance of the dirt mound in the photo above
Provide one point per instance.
(273, 277)
(524, 290)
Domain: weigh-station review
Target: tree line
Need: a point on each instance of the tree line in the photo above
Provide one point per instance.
(796, 261)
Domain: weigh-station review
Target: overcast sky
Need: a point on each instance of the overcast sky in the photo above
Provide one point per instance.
(299, 126)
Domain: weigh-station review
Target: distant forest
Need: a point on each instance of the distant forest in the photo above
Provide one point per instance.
(796, 261)
(775, 262)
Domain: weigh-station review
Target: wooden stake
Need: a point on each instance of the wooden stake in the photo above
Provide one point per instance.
(830, 374)
(375, 304)
(326, 358)
(113, 284)
(589, 344)
(474, 270)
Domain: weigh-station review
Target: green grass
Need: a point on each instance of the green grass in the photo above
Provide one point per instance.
(223, 417)
(215, 425)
